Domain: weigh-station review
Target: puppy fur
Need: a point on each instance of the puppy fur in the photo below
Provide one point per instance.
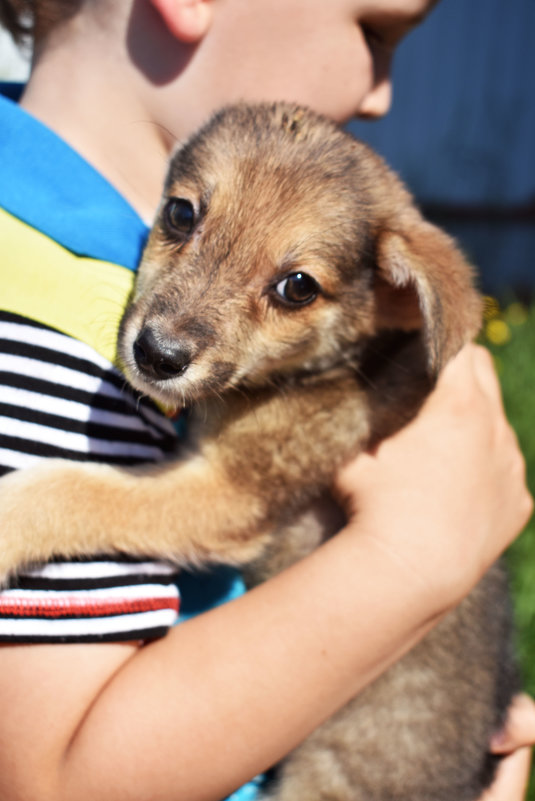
(293, 298)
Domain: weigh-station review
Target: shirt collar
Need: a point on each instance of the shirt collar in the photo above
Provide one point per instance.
(48, 185)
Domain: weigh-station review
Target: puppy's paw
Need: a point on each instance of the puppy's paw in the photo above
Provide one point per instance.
(32, 503)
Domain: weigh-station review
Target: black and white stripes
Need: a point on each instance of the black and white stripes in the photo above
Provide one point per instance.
(101, 600)
(58, 397)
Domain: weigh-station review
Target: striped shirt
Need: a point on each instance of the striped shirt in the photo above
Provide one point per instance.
(98, 600)
(60, 398)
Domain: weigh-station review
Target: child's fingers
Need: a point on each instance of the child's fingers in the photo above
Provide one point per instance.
(512, 778)
(519, 729)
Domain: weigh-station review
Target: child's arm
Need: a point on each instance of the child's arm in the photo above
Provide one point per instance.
(225, 695)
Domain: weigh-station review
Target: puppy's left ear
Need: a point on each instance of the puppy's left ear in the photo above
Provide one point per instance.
(423, 282)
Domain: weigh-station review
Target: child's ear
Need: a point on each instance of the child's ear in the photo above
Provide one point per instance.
(187, 20)
(423, 282)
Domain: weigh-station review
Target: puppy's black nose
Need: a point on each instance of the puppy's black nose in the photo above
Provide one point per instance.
(159, 358)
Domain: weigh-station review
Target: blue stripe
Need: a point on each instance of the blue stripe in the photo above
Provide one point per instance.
(45, 183)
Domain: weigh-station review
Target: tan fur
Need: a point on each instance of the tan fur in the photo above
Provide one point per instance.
(282, 393)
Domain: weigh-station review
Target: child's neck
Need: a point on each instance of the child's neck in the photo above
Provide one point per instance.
(105, 122)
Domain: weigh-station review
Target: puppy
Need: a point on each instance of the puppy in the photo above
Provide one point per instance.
(293, 298)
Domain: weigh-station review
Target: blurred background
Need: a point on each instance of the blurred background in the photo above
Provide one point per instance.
(461, 133)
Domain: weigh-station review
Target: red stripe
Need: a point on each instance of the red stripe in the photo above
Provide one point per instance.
(91, 608)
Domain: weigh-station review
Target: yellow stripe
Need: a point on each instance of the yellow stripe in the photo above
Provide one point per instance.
(81, 297)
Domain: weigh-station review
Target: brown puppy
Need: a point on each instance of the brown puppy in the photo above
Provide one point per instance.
(292, 295)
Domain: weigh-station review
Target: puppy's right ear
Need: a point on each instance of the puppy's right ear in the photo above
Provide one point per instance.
(424, 283)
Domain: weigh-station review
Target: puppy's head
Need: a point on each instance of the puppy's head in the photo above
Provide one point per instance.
(280, 246)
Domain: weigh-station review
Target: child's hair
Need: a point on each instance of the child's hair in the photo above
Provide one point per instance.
(34, 19)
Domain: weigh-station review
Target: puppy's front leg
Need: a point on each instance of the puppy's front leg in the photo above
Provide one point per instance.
(188, 511)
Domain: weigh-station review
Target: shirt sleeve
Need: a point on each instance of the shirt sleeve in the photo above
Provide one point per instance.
(97, 600)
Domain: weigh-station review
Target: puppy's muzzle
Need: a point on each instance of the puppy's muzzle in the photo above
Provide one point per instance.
(159, 358)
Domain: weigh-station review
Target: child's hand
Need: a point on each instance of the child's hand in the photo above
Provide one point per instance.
(515, 740)
(447, 494)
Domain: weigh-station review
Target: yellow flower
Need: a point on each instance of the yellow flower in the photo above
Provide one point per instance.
(497, 331)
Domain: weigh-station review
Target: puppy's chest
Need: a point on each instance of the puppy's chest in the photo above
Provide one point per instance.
(289, 439)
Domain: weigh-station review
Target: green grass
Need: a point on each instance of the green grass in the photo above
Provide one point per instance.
(510, 335)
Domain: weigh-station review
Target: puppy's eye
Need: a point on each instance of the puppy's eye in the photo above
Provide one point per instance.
(297, 289)
(179, 216)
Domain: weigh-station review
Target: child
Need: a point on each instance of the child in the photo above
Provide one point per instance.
(223, 696)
